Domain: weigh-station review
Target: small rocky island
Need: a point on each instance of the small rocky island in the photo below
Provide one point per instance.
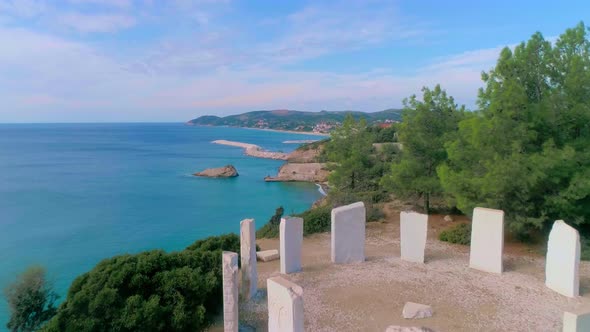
(228, 171)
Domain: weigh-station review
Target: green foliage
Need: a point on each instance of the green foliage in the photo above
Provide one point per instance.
(460, 234)
(271, 229)
(526, 151)
(316, 220)
(350, 149)
(30, 300)
(423, 132)
(149, 291)
(383, 135)
(585, 248)
(312, 146)
(356, 166)
(227, 242)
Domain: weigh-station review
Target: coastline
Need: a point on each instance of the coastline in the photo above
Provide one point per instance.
(312, 133)
(253, 150)
(291, 131)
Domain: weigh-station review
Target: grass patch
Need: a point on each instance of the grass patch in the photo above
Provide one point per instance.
(459, 234)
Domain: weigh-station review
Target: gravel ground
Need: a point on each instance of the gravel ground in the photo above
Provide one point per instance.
(370, 296)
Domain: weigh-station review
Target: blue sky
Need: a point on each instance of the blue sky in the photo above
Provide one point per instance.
(172, 60)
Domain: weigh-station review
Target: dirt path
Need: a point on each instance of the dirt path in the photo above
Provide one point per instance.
(370, 296)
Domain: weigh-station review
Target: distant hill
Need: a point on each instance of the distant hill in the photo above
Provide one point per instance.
(294, 120)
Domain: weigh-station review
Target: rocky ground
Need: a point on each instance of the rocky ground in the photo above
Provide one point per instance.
(370, 296)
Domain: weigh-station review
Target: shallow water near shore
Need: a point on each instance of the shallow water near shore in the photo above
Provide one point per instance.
(74, 194)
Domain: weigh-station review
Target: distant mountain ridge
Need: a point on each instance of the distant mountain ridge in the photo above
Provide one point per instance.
(295, 120)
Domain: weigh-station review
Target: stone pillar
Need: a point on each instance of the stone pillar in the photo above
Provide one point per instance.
(230, 291)
(487, 240)
(291, 242)
(285, 305)
(413, 231)
(348, 233)
(563, 260)
(577, 321)
(248, 259)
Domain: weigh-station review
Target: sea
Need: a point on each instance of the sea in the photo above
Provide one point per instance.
(74, 194)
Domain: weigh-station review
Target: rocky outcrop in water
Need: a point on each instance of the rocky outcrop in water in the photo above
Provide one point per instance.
(228, 171)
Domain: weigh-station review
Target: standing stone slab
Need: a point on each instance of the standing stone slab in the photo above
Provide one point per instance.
(487, 240)
(577, 321)
(413, 231)
(230, 291)
(285, 305)
(563, 260)
(248, 258)
(348, 233)
(291, 242)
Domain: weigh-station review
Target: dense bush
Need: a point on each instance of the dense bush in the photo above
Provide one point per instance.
(460, 234)
(316, 220)
(149, 291)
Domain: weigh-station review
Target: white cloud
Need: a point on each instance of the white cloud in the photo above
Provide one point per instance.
(96, 23)
(45, 77)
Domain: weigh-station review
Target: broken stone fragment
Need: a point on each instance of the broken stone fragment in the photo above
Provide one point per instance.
(268, 255)
(416, 310)
(448, 218)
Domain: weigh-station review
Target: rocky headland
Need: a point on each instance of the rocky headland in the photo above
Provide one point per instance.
(227, 171)
(306, 172)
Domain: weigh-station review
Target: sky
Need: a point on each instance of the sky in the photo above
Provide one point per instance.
(174, 60)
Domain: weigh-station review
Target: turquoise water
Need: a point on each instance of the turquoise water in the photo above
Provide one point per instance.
(74, 194)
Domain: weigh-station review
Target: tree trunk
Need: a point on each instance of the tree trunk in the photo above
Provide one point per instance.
(427, 202)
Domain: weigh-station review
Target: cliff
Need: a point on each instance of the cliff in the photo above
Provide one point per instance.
(307, 172)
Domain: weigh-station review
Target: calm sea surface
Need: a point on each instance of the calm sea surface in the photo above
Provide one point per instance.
(74, 194)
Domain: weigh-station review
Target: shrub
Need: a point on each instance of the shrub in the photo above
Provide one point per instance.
(460, 234)
(149, 291)
(316, 220)
(374, 213)
(271, 229)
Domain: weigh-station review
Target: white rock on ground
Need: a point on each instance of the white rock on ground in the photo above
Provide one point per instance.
(348, 233)
(291, 244)
(268, 255)
(448, 218)
(563, 260)
(416, 310)
(395, 328)
(487, 240)
(577, 321)
(248, 258)
(230, 291)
